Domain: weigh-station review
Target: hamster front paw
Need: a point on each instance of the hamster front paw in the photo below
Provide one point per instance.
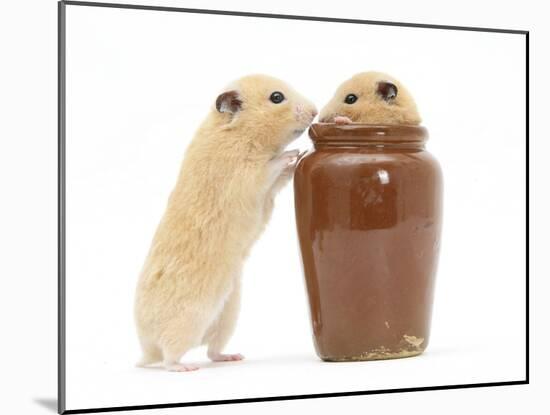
(289, 156)
(341, 120)
(284, 166)
(277, 165)
(294, 157)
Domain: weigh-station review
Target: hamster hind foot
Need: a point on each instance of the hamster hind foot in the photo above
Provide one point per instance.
(180, 367)
(219, 357)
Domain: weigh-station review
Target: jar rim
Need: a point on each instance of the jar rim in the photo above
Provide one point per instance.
(367, 133)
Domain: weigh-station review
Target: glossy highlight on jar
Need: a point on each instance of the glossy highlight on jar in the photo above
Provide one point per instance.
(368, 202)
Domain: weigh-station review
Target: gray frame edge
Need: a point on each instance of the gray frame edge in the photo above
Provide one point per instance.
(61, 304)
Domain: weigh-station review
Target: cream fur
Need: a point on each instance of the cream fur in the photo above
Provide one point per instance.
(370, 108)
(189, 288)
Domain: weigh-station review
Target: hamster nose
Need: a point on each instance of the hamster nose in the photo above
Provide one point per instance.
(314, 113)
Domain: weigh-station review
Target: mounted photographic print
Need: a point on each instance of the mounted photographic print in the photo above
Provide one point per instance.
(265, 207)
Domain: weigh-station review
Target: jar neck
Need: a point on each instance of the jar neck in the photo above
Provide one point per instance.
(382, 137)
(381, 146)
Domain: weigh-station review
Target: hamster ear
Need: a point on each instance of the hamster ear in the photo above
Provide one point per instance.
(228, 102)
(386, 90)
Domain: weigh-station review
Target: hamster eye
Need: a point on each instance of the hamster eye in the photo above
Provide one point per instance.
(350, 99)
(277, 97)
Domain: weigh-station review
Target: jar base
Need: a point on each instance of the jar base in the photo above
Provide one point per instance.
(374, 355)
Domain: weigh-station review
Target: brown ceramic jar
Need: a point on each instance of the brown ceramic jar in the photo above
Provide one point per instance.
(368, 211)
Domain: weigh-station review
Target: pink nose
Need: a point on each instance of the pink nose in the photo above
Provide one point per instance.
(314, 113)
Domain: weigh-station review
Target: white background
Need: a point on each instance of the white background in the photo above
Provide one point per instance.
(134, 99)
(30, 269)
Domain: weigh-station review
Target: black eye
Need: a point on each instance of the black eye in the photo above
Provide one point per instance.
(277, 97)
(350, 99)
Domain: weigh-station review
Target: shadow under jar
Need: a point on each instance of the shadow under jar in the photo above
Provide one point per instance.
(368, 204)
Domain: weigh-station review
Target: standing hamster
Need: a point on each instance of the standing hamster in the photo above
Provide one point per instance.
(188, 292)
(371, 98)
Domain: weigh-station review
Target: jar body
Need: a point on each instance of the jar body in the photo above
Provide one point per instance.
(369, 223)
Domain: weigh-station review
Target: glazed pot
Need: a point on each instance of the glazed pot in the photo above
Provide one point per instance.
(368, 204)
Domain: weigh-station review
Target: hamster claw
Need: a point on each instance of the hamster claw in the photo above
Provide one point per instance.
(291, 153)
(287, 158)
